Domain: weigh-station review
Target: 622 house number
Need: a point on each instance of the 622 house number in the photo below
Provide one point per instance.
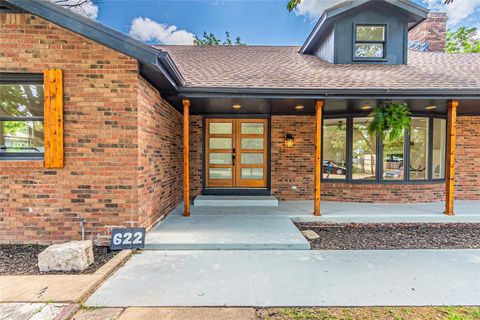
(127, 238)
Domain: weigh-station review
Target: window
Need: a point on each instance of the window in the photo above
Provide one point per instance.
(21, 118)
(364, 154)
(393, 157)
(369, 42)
(419, 139)
(351, 153)
(335, 148)
(439, 148)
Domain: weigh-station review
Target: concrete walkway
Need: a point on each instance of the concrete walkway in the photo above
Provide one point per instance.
(226, 232)
(294, 278)
(271, 228)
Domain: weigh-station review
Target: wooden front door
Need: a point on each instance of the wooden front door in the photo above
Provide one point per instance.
(236, 153)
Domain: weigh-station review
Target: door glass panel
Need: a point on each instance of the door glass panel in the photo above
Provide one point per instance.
(220, 173)
(252, 143)
(252, 158)
(221, 128)
(252, 128)
(220, 143)
(252, 173)
(220, 158)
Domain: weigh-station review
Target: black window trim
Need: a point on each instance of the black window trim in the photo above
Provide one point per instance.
(384, 42)
(21, 78)
(379, 144)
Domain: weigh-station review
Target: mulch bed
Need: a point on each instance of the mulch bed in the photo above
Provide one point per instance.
(22, 260)
(353, 236)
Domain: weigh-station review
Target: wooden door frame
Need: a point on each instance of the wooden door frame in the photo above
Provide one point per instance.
(236, 191)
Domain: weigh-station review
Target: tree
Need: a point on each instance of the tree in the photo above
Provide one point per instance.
(209, 39)
(78, 6)
(463, 40)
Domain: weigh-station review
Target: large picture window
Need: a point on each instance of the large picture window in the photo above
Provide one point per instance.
(21, 118)
(351, 153)
(369, 42)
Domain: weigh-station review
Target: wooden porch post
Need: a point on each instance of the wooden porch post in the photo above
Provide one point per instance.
(450, 170)
(318, 151)
(186, 169)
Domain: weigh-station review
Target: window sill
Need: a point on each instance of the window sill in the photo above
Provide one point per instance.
(21, 163)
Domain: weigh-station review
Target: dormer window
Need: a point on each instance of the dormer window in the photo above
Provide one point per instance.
(369, 42)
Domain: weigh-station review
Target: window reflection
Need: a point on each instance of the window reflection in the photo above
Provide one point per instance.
(393, 157)
(419, 138)
(334, 148)
(364, 151)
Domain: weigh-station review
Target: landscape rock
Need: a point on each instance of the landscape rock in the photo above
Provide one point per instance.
(69, 256)
(310, 234)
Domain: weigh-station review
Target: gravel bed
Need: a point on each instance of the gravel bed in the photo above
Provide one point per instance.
(353, 236)
(22, 260)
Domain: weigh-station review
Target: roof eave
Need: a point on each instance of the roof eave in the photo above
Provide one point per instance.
(313, 93)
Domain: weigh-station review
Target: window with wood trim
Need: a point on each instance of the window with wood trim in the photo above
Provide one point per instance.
(21, 116)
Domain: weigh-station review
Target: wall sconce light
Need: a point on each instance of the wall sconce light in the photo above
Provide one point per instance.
(289, 140)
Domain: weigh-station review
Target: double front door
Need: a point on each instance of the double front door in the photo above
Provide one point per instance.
(236, 153)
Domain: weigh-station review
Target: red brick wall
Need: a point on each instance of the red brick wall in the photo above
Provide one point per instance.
(432, 31)
(292, 166)
(103, 96)
(467, 167)
(160, 156)
(195, 135)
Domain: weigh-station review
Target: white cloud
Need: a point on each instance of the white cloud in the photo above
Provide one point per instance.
(147, 30)
(457, 11)
(313, 9)
(87, 8)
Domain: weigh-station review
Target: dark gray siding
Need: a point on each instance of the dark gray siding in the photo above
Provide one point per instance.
(326, 48)
(396, 39)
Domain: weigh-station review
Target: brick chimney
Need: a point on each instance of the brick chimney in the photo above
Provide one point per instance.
(430, 34)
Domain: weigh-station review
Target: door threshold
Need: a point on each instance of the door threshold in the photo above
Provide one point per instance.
(236, 191)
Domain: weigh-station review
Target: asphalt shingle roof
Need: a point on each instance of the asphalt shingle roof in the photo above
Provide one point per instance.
(284, 67)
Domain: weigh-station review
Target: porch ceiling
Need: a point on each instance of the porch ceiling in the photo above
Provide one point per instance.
(286, 106)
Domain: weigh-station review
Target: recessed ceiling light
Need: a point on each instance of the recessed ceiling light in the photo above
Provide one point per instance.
(299, 107)
(430, 107)
(236, 106)
(366, 107)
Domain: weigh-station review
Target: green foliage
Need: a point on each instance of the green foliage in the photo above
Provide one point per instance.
(209, 39)
(390, 119)
(463, 40)
(292, 4)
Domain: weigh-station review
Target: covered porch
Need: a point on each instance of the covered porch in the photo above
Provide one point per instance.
(436, 179)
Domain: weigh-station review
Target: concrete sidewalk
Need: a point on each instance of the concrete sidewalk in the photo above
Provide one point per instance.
(294, 278)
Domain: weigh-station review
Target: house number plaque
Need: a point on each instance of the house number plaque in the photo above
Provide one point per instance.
(127, 238)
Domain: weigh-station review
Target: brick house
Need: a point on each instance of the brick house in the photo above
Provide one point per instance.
(100, 128)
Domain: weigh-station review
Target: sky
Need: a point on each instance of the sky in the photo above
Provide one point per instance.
(257, 22)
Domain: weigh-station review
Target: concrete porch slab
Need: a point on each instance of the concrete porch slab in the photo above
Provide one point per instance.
(235, 201)
(294, 278)
(226, 232)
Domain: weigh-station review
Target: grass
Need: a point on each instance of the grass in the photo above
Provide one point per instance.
(371, 313)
